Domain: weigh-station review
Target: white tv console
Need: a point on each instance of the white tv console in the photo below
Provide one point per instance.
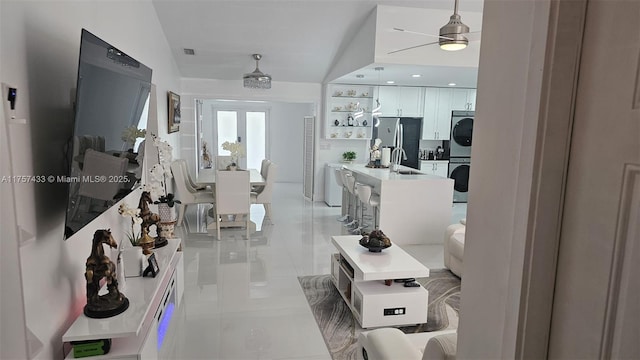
(143, 331)
(360, 276)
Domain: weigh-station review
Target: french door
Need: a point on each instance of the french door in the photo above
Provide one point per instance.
(246, 126)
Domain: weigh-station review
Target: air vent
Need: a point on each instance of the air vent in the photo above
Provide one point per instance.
(189, 51)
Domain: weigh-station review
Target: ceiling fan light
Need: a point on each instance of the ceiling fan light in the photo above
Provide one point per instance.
(453, 45)
(257, 79)
(451, 34)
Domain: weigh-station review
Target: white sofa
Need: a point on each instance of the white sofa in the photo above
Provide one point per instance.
(454, 247)
(393, 344)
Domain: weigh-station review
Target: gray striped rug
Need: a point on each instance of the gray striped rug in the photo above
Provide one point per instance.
(339, 328)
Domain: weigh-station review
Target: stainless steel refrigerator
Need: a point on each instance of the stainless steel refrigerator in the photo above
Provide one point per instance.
(412, 133)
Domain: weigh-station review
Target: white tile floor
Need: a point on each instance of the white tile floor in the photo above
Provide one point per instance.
(242, 298)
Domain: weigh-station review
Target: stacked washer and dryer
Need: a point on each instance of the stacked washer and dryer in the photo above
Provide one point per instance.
(460, 153)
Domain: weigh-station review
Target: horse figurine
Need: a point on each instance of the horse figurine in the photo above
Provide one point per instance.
(148, 218)
(99, 266)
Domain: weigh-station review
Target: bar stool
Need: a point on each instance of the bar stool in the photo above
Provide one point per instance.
(345, 213)
(366, 196)
(351, 187)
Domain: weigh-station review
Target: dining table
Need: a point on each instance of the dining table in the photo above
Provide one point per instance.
(208, 177)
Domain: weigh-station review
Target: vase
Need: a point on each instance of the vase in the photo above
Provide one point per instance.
(167, 213)
(132, 259)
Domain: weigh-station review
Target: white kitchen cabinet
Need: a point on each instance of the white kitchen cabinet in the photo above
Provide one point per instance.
(438, 105)
(463, 99)
(345, 102)
(435, 167)
(436, 123)
(403, 101)
(437, 114)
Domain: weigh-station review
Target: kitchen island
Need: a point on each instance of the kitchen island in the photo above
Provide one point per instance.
(415, 208)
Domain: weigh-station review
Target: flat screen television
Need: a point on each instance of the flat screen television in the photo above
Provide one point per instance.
(111, 110)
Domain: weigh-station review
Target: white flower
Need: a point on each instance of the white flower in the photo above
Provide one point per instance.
(131, 133)
(235, 149)
(156, 172)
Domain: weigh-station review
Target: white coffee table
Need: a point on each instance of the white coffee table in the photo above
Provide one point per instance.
(361, 277)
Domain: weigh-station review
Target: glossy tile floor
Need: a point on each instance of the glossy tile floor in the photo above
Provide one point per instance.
(242, 299)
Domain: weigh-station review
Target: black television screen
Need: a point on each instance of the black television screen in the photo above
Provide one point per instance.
(111, 107)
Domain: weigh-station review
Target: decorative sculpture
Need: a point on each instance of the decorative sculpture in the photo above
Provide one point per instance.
(148, 219)
(99, 266)
(375, 241)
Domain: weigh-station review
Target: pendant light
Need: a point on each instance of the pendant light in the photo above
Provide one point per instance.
(257, 79)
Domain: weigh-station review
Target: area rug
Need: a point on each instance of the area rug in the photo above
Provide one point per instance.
(339, 328)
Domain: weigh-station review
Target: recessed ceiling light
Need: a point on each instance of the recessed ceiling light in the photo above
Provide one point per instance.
(416, 75)
(391, 82)
(452, 84)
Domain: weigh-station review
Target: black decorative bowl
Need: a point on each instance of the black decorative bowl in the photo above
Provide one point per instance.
(374, 249)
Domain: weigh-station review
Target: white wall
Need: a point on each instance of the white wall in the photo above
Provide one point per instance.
(284, 135)
(303, 97)
(503, 151)
(360, 51)
(39, 55)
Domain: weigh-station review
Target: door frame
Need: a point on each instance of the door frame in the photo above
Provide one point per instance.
(556, 117)
(532, 236)
(239, 107)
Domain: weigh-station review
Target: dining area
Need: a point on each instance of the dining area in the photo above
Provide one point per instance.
(229, 190)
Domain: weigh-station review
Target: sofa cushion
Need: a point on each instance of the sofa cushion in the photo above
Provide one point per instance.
(456, 244)
(441, 347)
(388, 344)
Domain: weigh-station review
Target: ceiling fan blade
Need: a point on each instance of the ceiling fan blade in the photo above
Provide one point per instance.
(421, 33)
(412, 47)
(473, 35)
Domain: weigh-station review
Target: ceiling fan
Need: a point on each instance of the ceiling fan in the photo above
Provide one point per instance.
(454, 35)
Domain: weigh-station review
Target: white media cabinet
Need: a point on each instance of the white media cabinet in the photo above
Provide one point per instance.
(360, 275)
(143, 331)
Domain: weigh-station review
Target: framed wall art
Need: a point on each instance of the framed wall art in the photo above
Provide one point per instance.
(174, 112)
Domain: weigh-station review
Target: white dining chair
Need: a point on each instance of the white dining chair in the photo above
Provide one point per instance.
(232, 196)
(185, 193)
(195, 186)
(264, 166)
(264, 195)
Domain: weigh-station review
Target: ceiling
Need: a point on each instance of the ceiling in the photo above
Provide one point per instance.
(299, 39)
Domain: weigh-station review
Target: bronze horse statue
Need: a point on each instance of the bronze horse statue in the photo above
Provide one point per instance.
(99, 266)
(148, 218)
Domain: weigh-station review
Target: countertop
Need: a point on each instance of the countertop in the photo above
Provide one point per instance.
(386, 174)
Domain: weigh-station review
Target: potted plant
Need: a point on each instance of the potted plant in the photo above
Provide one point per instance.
(236, 150)
(166, 208)
(348, 156)
(131, 256)
(157, 187)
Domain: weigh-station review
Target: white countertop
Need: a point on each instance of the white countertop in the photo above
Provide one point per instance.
(391, 263)
(387, 174)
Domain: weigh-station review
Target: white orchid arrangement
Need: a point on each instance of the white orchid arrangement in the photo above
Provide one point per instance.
(160, 172)
(130, 134)
(235, 149)
(134, 214)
